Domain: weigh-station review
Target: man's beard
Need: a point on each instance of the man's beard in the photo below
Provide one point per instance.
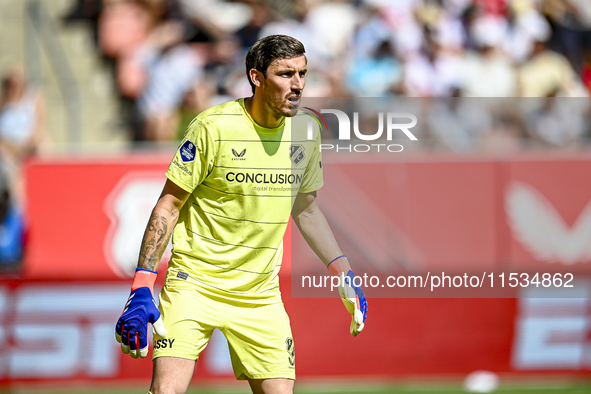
(277, 106)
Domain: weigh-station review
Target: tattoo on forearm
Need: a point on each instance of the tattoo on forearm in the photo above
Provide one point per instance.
(154, 242)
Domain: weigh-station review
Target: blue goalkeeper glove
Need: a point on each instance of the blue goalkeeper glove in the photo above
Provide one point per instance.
(351, 293)
(131, 330)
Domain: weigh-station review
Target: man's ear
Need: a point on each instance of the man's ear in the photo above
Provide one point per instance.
(256, 77)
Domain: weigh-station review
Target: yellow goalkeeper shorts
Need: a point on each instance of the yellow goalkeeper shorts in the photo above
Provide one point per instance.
(259, 336)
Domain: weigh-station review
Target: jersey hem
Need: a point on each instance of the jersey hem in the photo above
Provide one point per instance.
(311, 189)
(178, 182)
(207, 291)
(177, 355)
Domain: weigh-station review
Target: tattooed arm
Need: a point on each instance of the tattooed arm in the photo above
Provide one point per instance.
(131, 329)
(162, 221)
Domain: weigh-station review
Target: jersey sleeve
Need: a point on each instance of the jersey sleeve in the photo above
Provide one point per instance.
(194, 159)
(313, 177)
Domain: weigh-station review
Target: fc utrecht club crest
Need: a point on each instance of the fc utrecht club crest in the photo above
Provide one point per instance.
(296, 154)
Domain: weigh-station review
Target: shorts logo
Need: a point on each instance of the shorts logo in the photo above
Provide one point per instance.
(188, 151)
(163, 343)
(296, 154)
(182, 275)
(290, 351)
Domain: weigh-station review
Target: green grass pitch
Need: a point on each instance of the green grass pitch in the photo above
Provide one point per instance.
(370, 388)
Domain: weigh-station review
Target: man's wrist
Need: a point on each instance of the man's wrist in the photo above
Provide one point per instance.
(144, 278)
(145, 269)
(339, 266)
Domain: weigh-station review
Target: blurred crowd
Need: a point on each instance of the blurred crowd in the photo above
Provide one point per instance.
(173, 58)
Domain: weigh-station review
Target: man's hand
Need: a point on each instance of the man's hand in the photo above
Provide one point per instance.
(132, 327)
(355, 302)
(351, 293)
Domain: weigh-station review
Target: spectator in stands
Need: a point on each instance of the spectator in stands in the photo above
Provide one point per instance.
(12, 228)
(221, 82)
(123, 27)
(558, 121)
(21, 115)
(489, 71)
(526, 25)
(22, 118)
(172, 68)
(435, 72)
(376, 75)
(459, 123)
(88, 11)
(212, 20)
(586, 70)
(249, 34)
(325, 42)
(221, 65)
(506, 134)
(372, 30)
(571, 25)
(401, 21)
(548, 73)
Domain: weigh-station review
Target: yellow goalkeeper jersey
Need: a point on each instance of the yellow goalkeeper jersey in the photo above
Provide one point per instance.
(243, 181)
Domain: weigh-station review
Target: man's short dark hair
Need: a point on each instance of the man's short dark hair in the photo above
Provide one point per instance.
(269, 48)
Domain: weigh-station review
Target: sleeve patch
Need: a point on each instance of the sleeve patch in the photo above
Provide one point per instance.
(187, 151)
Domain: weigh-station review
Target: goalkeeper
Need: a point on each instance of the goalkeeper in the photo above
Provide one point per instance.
(242, 168)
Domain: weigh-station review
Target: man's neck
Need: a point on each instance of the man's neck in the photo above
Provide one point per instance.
(259, 112)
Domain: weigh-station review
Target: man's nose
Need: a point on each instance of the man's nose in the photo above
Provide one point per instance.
(297, 83)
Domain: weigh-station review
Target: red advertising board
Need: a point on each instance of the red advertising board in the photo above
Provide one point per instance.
(62, 331)
(84, 214)
(65, 331)
(548, 213)
(414, 216)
